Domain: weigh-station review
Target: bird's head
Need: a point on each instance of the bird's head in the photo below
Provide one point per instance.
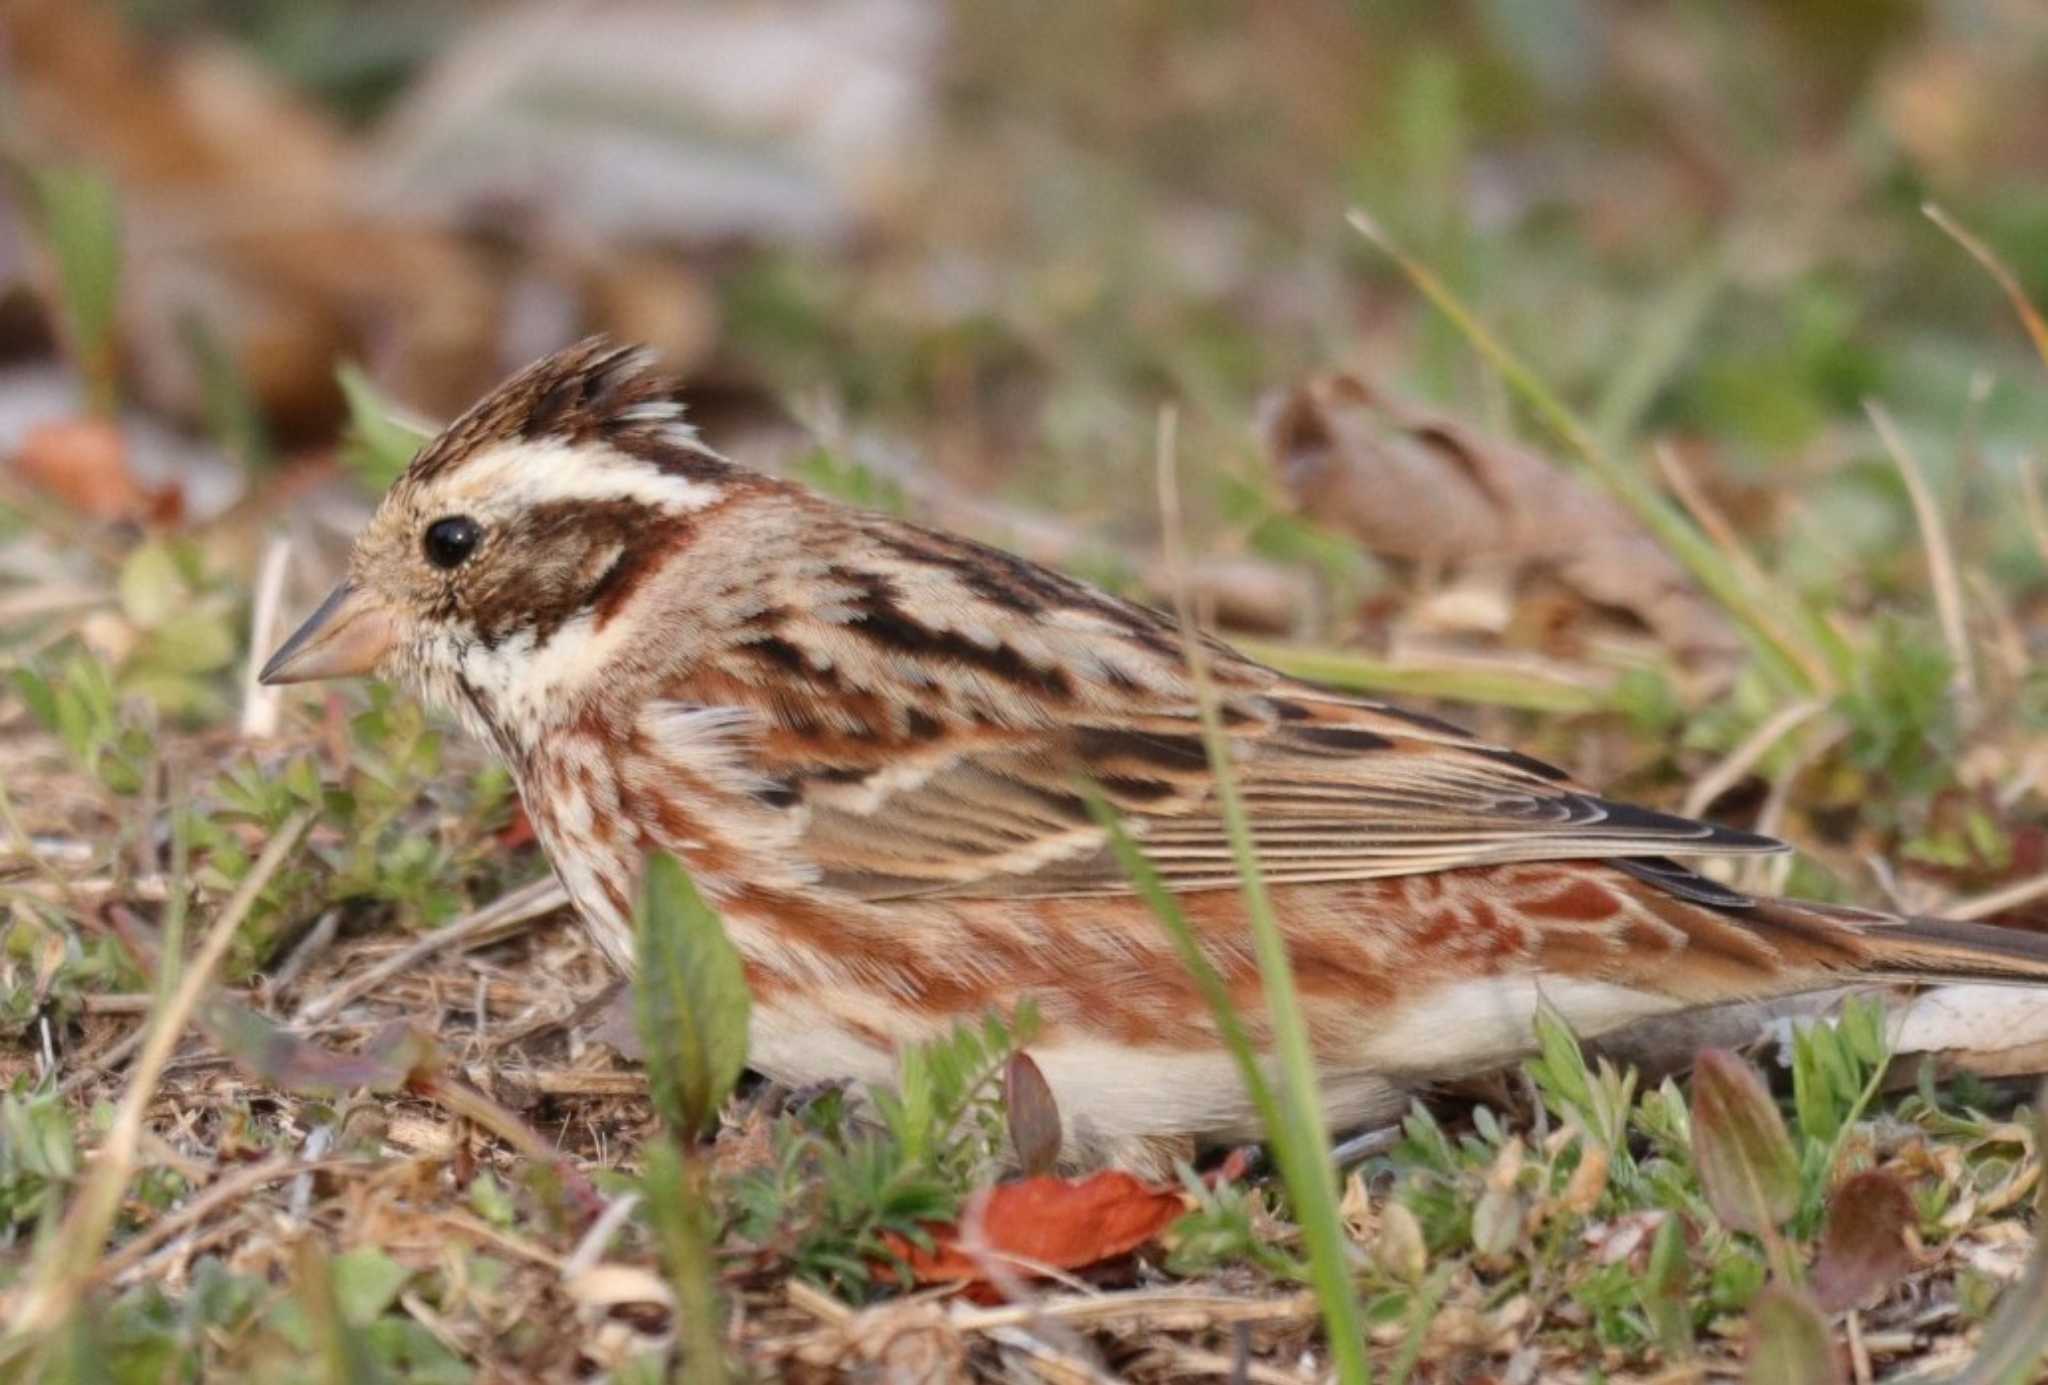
(489, 576)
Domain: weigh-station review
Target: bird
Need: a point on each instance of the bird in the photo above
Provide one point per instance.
(877, 748)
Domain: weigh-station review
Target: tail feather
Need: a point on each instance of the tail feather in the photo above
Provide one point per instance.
(1920, 948)
(1895, 947)
(1717, 945)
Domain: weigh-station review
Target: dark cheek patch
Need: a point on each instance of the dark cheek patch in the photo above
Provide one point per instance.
(558, 560)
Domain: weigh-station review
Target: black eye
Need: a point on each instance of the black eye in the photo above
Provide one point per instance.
(450, 541)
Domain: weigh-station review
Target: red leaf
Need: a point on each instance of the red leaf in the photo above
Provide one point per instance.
(518, 832)
(1059, 1223)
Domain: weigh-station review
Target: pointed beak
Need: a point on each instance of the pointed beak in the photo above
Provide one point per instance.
(347, 637)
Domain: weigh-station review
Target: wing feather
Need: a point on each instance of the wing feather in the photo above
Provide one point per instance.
(934, 711)
(1009, 821)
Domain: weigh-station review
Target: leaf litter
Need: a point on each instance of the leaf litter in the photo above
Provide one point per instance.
(317, 1185)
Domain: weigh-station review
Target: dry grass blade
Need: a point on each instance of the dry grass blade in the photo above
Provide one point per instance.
(1705, 513)
(1941, 556)
(261, 704)
(1048, 1361)
(1158, 1307)
(63, 1262)
(2029, 315)
(1997, 901)
(1746, 756)
(1773, 871)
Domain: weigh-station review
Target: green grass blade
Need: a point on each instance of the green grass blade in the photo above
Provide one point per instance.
(233, 413)
(1670, 325)
(79, 212)
(1299, 1138)
(1145, 876)
(1298, 1143)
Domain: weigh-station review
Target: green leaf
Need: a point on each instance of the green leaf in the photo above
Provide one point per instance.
(192, 641)
(377, 445)
(691, 1000)
(41, 698)
(1663, 1288)
(1559, 1069)
(35, 1137)
(344, 1352)
(151, 586)
(491, 1200)
(1789, 1342)
(1598, 1099)
(366, 1282)
(1746, 1161)
(1903, 722)
(1836, 1071)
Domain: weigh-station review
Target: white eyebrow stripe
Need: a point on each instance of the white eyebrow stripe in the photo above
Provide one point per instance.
(525, 473)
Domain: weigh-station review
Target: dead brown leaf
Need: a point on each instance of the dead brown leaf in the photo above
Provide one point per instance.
(1033, 1115)
(1991, 1031)
(1420, 487)
(1863, 1248)
(84, 463)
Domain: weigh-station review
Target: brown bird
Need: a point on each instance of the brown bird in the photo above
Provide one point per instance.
(868, 741)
